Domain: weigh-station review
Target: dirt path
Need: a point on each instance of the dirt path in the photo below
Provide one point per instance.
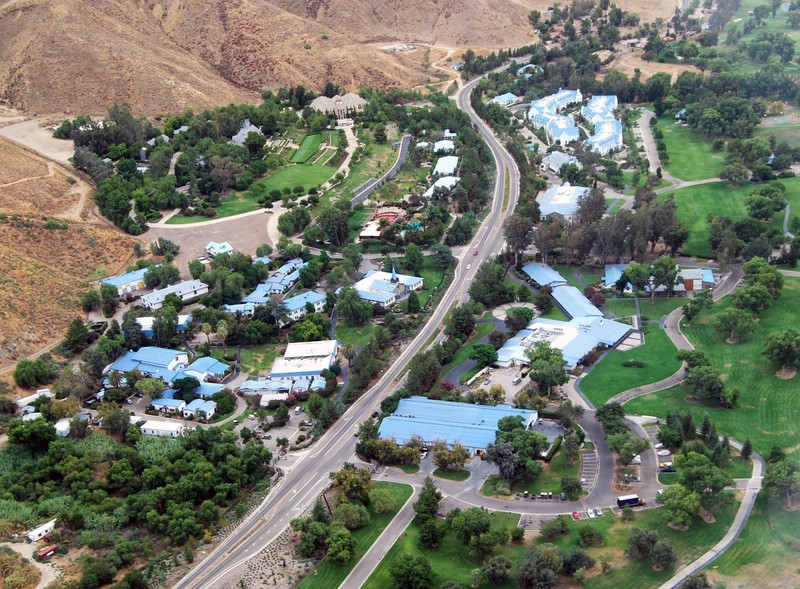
(48, 571)
(32, 135)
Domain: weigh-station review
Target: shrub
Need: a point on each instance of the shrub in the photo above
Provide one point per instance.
(301, 438)
(503, 488)
(633, 363)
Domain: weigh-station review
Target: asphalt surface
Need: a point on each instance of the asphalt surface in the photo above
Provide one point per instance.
(309, 476)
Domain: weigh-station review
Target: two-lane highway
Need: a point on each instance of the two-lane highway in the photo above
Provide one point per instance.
(309, 477)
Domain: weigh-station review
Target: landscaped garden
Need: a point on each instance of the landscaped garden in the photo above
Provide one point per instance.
(549, 481)
(308, 147)
(329, 574)
(619, 371)
(767, 412)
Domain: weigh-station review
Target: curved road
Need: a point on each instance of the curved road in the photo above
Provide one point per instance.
(309, 477)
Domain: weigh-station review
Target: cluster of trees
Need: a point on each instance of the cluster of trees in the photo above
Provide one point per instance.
(516, 450)
(151, 489)
(489, 289)
(367, 364)
(372, 447)
(644, 543)
(705, 381)
(543, 565)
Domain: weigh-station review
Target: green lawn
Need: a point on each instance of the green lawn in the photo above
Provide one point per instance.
(452, 475)
(688, 545)
(555, 313)
(308, 147)
(547, 482)
(329, 574)
(356, 223)
(450, 561)
(691, 156)
(305, 175)
(763, 550)
(617, 205)
(768, 412)
(433, 277)
(631, 189)
(409, 468)
(357, 336)
(650, 309)
(255, 359)
(610, 377)
(587, 274)
(696, 202)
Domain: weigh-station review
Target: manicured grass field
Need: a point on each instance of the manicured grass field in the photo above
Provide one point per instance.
(432, 277)
(547, 482)
(696, 202)
(256, 359)
(356, 223)
(651, 309)
(763, 550)
(329, 574)
(450, 475)
(305, 175)
(609, 377)
(308, 147)
(409, 468)
(691, 156)
(588, 275)
(555, 313)
(450, 561)
(357, 336)
(768, 412)
(688, 545)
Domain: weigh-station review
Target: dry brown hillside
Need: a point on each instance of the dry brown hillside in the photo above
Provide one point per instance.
(72, 56)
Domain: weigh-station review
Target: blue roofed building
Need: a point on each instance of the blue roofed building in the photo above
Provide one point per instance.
(613, 272)
(607, 137)
(293, 265)
(304, 360)
(296, 306)
(562, 130)
(574, 303)
(146, 323)
(168, 405)
(208, 389)
(262, 259)
(153, 362)
(128, 282)
(558, 159)
(505, 99)
(600, 108)
(184, 290)
(200, 408)
(245, 309)
(562, 201)
(387, 288)
(215, 248)
(543, 275)
(207, 368)
(544, 111)
(260, 296)
(446, 166)
(472, 426)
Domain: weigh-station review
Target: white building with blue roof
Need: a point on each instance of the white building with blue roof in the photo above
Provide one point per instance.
(207, 367)
(263, 259)
(558, 159)
(600, 108)
(562, 201)
(245, 309)
(208, 389)
(505, 99)
(153, 362)
(168, 405)
(200, 408)
(574, 303)
(184, 290)
(296, 306)
(290, 267)
(260, 296)
(607, 137)
(543, 275)
(146, 323)
(128, 282)
(387, 288)
(472, 426)
(444, 146)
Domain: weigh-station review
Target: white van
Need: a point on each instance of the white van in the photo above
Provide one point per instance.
(517, 380)
(297, 409)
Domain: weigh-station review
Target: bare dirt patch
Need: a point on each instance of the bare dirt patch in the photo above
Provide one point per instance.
(44, 273)
(628, 63)
(786, 373)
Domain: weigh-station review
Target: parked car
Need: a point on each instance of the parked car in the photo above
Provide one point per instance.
(487, 382)
(637, 459)
(663, 453)
(129, 401)
(251, 416)
(267, 436)
(576, 515)
(563, 496)
(598, 512)
(590, 513)
(475, 253)
(375, 414)
(95, 421)
(138, 394)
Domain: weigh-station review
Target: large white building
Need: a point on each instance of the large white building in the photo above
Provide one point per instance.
(185, 290)
(562, 201)
(446, 166)
(543, 114)
(387, 288)
(164, 429)
(339, 106)
(304, 360)
(607, 137)
(444, 183)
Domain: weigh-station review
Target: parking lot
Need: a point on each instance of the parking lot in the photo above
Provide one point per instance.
(505, 378)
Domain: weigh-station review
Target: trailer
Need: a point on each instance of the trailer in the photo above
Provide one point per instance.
(628, 501)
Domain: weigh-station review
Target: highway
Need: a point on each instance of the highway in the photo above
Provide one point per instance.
(309, 476)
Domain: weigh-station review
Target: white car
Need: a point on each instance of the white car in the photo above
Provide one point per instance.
(469, 266)
(663, 452)
(590, 513)
(637, 459)
(598, 512)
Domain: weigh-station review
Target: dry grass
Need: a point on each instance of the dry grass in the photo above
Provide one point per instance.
(44, 273)
(627, 63)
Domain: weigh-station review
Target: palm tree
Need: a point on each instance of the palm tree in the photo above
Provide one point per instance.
(206, 328)
(222, 333)
(348, 352)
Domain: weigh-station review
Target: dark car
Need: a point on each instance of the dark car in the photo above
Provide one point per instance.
(375, 414)
(95, 421)
(138, 394)
(563, 496)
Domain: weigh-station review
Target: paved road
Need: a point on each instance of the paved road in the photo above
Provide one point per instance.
(300, 487)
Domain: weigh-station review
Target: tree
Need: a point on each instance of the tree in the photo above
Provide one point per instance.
(381, 500)
(222, 333)
(35, 435)
(681, 505)
(577, 559)
(206, 329)
(570, 485)
(664, 272)
(334, 222)
(483, 354)
(354, 482)
(90, 300)
(341, 545)
(783, 348)
(692, 308)
(413, 304)
(697, 581)
(496, 570)
(641, 542)
(423, 372)
(662, 556)
(589, 536)
(555, 527)
(410, 572)
(569, 413)
(348, 353)
(546, 365)
(638, 276)
(735, 172)
(783, 477)
(470, 523)
(77, 338)
(29, 373)
(518, 232)
(429, 497)
(698, 474)
(540, 568)
(735, 323)
(352, 308)
(413, 259)
(747, 449)
(452, 459)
